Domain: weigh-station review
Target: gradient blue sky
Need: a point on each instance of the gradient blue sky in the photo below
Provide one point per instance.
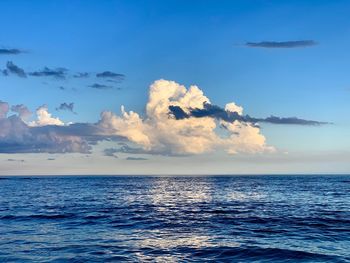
(190, 42)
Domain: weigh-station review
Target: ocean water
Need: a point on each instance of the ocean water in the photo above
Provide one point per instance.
(175, 219)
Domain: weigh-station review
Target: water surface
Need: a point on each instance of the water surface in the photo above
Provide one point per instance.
(175, 219)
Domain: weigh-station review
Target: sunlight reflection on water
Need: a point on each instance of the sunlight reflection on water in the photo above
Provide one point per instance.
(171, 219)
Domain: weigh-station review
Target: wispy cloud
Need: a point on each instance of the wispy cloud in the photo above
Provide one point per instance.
(14, 69)
(59, 73)
(100, 86)
(110, 74)
(136, 159)
(282, 44)
(10, 51)
(81, 75)
(15, 160)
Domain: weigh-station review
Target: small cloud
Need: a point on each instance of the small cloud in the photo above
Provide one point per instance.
(12, 68)
(283, 44)
(81, 75)
(124, 148)
(59, 73)
(112, 75)
(44, 118)
(110, 152)
(113, 80)
(135, 159)
(5, 72)
(10, 51)
(100, 86)
(66, 106)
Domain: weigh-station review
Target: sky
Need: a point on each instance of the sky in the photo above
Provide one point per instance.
(174, 87)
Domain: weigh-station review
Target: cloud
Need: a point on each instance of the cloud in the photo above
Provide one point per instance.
(15, 160)
(100, 86)
(178, 121)
(44, 118)
(4, 109)
(12, 68)
(136, 159)
(17, 137)
(81, 75)
(5, 72)
(46, 134)
(10, 51)
(159, 134)
(23, 112)
(110, 152)
(283, 44)
(125, 148)
(66, 106)
(233, 113)
(58, 73)
(109, 74)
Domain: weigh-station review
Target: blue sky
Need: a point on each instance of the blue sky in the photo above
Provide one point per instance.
(199, 43)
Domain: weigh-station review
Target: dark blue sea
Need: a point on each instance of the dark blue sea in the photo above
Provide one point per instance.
(175, 219)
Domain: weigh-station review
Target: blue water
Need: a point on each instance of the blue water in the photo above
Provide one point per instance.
(175, 219)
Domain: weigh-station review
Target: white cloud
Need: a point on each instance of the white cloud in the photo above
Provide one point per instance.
(158, 132)
(232, 107)
(44, 118)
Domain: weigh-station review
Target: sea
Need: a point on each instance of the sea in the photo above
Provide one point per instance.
(260, 218)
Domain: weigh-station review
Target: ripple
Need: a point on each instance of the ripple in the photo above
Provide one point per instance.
(171, 219)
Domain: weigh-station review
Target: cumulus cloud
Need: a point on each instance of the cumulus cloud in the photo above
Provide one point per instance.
(45, 118)
(283, 44)
(159, 133)
(66, 107)
(23, 112)
(46, 133)
(12, 68)
(58, 73)
(178, 121)
(17, 137)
